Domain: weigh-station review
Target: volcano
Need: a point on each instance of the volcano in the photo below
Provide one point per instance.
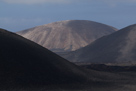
(119, 47)
(68, 35)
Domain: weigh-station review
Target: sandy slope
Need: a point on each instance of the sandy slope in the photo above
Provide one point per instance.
(68, 35)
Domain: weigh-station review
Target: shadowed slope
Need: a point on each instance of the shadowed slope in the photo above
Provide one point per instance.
(118, 47)
(67, 35)
(24, 63)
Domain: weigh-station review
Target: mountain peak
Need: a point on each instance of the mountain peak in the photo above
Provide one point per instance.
(68, 35)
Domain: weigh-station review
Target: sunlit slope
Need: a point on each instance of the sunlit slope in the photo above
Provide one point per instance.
(68, 35)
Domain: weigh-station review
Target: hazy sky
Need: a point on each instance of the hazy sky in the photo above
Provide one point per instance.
(16, 15)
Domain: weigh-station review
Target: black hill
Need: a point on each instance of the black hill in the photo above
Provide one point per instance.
(25, 63)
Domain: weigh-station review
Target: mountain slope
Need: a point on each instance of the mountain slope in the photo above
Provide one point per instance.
(118, 47)
(25, 63)
(67, 35)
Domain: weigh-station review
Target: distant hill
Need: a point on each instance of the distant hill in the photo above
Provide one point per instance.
(119, 47)
(68, 35)
(25, 63)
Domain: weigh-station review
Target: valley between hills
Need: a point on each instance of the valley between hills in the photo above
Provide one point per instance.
(71, 55)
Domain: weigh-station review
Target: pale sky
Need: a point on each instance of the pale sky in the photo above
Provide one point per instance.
(16, 15)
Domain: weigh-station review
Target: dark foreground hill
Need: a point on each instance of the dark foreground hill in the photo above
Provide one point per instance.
(25, 63)
(119, 47)
(67, 35)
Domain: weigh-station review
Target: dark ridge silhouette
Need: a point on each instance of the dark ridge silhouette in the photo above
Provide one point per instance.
(68, 35)
(25, 63)
(118, 48)
(110, 68)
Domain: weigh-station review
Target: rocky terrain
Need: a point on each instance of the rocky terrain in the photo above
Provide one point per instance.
(68, 35)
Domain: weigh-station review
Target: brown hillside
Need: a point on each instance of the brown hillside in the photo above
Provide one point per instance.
(119, 47)
(67, 35)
